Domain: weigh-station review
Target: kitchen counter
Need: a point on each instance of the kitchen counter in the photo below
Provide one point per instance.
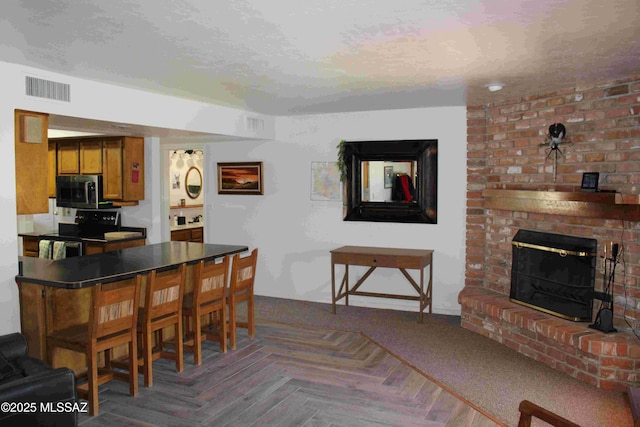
(85, 271)
(187, 226)
(55, 235)
(126, 237)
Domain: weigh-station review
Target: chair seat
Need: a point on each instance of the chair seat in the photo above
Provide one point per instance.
(77, 334)
(157, 321)
(187, 304)
(187, 301)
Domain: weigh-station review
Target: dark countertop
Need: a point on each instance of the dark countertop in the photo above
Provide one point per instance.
(88, 270)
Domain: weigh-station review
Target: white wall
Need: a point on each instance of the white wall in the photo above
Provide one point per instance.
(295, 234)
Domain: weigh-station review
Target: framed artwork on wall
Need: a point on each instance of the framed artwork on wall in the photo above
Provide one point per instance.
(325, 181)
(388, 176)
(240, 178)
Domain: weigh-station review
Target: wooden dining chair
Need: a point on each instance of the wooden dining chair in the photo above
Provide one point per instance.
(243, 273)
(112, 323)
(162, 308)
(208, 298)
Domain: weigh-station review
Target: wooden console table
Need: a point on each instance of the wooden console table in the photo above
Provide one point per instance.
(372, 257)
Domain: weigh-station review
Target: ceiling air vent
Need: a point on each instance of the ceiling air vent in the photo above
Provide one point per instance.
(255, 124)
(48, 89)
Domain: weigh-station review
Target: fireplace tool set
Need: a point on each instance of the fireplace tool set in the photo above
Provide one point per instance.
(604, 318)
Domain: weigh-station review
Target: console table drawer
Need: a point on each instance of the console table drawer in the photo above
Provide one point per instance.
(381, 260)
(365, 259)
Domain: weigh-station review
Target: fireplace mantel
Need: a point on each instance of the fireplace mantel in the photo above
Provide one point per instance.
(571, 203)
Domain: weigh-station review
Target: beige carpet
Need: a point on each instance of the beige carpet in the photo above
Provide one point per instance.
(487, 374)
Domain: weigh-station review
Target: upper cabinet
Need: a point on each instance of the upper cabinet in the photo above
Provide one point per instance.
(90, 155)
(119, 159)
(68, 157)
(31, 151)
(79, 156)
(52, 167)
(123, 169)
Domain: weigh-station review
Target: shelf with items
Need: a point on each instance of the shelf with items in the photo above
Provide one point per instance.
(571, 203)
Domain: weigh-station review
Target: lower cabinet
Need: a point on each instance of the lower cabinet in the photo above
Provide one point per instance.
(31, 246)
(188, 235)
(98, 247)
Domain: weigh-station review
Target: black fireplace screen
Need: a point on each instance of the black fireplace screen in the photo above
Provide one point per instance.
(554, 273)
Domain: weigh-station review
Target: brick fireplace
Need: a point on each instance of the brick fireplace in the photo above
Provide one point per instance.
(510, 186)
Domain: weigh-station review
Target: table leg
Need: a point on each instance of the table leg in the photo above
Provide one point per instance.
(333, 287)
(346, 284)
(429, 289)
(422, 297)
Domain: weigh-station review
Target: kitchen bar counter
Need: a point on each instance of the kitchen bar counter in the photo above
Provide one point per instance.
(56, 294)
(80, 272)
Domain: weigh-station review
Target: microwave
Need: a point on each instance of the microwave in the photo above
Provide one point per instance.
(80, 191)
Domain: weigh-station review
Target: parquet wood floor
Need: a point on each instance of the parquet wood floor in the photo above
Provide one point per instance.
(287, 376)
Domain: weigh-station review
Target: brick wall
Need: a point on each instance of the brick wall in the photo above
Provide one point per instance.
(506, 149)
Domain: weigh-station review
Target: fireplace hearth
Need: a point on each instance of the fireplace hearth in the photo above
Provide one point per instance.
(554, 273)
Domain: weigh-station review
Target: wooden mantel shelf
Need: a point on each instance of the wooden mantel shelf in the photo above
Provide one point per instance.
(571, 203)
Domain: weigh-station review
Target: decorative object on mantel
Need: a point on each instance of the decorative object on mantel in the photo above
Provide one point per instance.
(556, 135)
(240, 178)
(590, 182)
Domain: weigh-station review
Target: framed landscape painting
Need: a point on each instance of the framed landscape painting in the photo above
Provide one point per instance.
(240, 178)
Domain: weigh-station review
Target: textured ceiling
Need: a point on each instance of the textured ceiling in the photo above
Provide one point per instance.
(301, 56)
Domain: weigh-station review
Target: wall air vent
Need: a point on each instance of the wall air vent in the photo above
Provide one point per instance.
(48, 89)
(255, 124)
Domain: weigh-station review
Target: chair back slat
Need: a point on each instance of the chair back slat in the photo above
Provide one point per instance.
(114, 308)
(243, 272)
(211, 281)
(164, 292)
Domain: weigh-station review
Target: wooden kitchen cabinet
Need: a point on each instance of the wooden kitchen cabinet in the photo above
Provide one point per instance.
(31, 145)
(30, 246)
(188, 235)
(52, 168)
(68, 157)
(99, 247)
(123, 168)
(79, 156)
(91, 157)
(119, 159)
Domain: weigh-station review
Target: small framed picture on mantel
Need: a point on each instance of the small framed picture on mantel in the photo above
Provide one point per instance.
(240, 178)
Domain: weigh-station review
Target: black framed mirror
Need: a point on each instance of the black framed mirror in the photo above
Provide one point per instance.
(391, 181)
(193, 182)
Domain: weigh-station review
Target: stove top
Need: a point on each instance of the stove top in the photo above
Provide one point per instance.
(98, 218)
(91, 224)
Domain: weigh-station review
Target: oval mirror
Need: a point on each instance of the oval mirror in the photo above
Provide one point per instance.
(193, 182)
